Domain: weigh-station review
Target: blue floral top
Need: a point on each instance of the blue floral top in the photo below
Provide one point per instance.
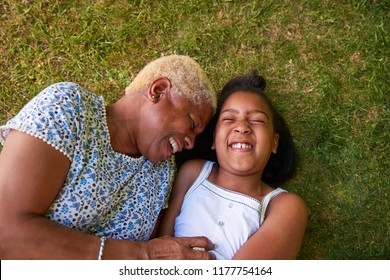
(105, 193)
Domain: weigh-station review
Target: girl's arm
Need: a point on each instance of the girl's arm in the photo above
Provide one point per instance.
(281, 234)
(187, 175)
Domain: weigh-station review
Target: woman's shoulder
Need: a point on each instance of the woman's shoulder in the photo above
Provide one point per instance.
(63, 88)
(69, 90)
(62, 94)
(73, 99)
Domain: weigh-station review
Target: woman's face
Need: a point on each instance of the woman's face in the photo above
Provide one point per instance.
(244, 135)
(173, 125)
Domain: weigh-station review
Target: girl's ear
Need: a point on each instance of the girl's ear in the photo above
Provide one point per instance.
(213, 146)
(158, 88)
(275, 143)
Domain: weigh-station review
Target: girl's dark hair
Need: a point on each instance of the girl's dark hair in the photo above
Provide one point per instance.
(281, 166)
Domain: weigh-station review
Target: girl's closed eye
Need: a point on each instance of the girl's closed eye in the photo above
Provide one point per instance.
(258, 118)
(227, 118)
(257, 121)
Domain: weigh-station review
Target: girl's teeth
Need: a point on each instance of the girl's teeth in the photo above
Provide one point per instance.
(241, 146)
(173, 145)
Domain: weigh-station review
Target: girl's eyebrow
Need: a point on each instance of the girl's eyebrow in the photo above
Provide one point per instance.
(254, 111)
(230, 111)
(259, 112)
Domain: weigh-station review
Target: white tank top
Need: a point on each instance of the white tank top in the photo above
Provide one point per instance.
(226, 217)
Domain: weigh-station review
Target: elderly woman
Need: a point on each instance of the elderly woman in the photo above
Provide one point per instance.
(79, 180)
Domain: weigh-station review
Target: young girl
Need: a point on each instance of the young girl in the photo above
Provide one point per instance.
(236, 202)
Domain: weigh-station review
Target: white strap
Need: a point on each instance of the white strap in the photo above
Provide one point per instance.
(266, 200)
(203, 175)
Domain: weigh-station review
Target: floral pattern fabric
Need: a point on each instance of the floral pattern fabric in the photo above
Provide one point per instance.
(105, 193)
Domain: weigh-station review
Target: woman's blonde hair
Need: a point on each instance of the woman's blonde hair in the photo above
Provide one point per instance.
(187, 79)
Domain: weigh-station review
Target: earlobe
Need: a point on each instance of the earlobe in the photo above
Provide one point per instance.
(158, 88)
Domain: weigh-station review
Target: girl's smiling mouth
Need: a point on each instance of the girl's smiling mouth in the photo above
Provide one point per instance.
(241, 146)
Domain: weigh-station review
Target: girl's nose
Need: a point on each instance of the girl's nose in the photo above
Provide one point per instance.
(242, 127)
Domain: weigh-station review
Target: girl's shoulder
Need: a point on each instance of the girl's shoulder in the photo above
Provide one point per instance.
(192, 171)
(192, 168)
(288, 202)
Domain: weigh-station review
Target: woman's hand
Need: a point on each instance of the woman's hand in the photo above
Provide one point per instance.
(179, 248)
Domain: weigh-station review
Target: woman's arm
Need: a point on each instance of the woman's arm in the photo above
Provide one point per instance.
(31, 175)
(281, 234)
(186, 177)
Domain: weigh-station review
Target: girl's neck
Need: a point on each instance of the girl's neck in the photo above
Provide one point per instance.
(250, 184)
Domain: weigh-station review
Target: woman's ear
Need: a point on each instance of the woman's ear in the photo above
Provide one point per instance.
(158, 88)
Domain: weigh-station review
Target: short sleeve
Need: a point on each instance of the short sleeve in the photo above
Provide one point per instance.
(54, 116)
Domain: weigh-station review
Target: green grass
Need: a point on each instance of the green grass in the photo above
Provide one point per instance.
(326, 63)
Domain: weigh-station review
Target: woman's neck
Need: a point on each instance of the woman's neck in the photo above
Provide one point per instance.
(122, 126)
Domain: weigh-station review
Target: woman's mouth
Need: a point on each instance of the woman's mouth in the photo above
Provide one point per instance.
(173, 144)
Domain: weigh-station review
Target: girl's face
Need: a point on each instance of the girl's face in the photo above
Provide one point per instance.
(244, 135)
